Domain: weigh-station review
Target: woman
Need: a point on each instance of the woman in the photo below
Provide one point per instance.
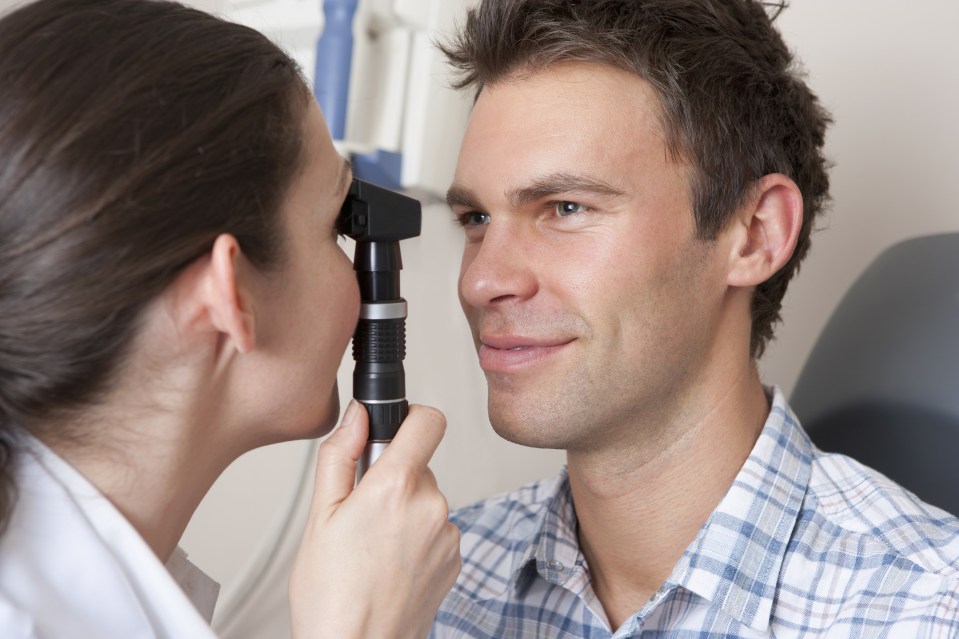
(171, 296)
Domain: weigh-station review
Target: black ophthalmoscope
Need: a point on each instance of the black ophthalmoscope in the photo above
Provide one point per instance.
(378, 219)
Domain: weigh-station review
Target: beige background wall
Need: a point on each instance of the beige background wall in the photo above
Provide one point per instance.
(887, 71)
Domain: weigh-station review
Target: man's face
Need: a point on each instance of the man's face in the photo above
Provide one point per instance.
(592, 303)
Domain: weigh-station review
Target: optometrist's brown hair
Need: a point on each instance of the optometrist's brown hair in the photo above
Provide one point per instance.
(132, 134)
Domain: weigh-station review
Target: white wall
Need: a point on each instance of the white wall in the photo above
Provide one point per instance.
(886, 71)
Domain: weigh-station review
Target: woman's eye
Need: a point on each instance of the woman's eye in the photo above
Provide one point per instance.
(566, 208)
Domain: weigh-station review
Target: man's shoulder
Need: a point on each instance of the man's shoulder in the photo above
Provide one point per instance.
(517, 513)
(867, 551)
(497, 539)
(855, 515)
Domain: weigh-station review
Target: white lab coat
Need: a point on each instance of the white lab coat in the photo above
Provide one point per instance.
(72, 566)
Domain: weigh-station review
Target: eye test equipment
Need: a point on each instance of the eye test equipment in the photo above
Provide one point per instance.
(378, 219)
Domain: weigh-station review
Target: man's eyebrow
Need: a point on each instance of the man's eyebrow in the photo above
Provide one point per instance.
(343, 183)
(459, 195)
(559, 183)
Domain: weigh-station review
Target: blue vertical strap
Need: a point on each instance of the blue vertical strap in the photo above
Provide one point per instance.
(334, 55)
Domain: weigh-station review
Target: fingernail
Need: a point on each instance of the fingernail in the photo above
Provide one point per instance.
(350, 415)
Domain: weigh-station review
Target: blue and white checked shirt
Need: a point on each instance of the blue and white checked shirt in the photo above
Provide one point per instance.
(804, 544)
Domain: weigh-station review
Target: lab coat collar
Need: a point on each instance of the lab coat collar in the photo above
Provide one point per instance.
(74, 565)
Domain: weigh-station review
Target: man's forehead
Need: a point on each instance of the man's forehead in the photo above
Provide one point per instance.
(575, 104)
(568, 77)
(536, 128)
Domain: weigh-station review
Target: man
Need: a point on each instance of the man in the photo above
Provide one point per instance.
(637, 186)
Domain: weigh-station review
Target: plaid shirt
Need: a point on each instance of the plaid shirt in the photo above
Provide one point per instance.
(804, 544)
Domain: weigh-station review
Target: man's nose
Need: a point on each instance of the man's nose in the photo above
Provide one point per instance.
(500, 268)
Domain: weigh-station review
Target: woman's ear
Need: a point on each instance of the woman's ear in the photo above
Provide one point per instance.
(765, 232)
(214, 295)
(228, 297)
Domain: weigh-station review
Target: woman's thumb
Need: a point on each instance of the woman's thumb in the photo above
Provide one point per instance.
(336, 461)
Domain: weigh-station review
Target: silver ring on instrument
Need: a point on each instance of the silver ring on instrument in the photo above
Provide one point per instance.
(380, 401)
(383, 310)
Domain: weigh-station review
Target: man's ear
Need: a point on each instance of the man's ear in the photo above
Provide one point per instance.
(765, 232)
(226, 293)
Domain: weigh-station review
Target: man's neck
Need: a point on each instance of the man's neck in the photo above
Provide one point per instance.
(639, 509)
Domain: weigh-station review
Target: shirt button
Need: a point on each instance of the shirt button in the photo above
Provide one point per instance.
(558, 566)
(662, 590)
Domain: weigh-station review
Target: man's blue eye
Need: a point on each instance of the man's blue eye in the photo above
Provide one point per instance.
(566, 208)
(474, 219)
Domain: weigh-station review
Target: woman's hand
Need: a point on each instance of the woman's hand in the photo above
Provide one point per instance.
(377, 560)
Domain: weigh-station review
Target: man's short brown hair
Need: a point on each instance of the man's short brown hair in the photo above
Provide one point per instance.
(733, 106)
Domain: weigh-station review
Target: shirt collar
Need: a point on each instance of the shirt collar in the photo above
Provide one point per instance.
(114, 533)
(735, 559)
(554, 548)
(201, 589)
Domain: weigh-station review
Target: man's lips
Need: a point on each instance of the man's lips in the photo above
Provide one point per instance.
(512, 353)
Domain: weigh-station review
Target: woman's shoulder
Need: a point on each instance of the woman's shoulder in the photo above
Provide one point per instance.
(72, 565)
(14, 622)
